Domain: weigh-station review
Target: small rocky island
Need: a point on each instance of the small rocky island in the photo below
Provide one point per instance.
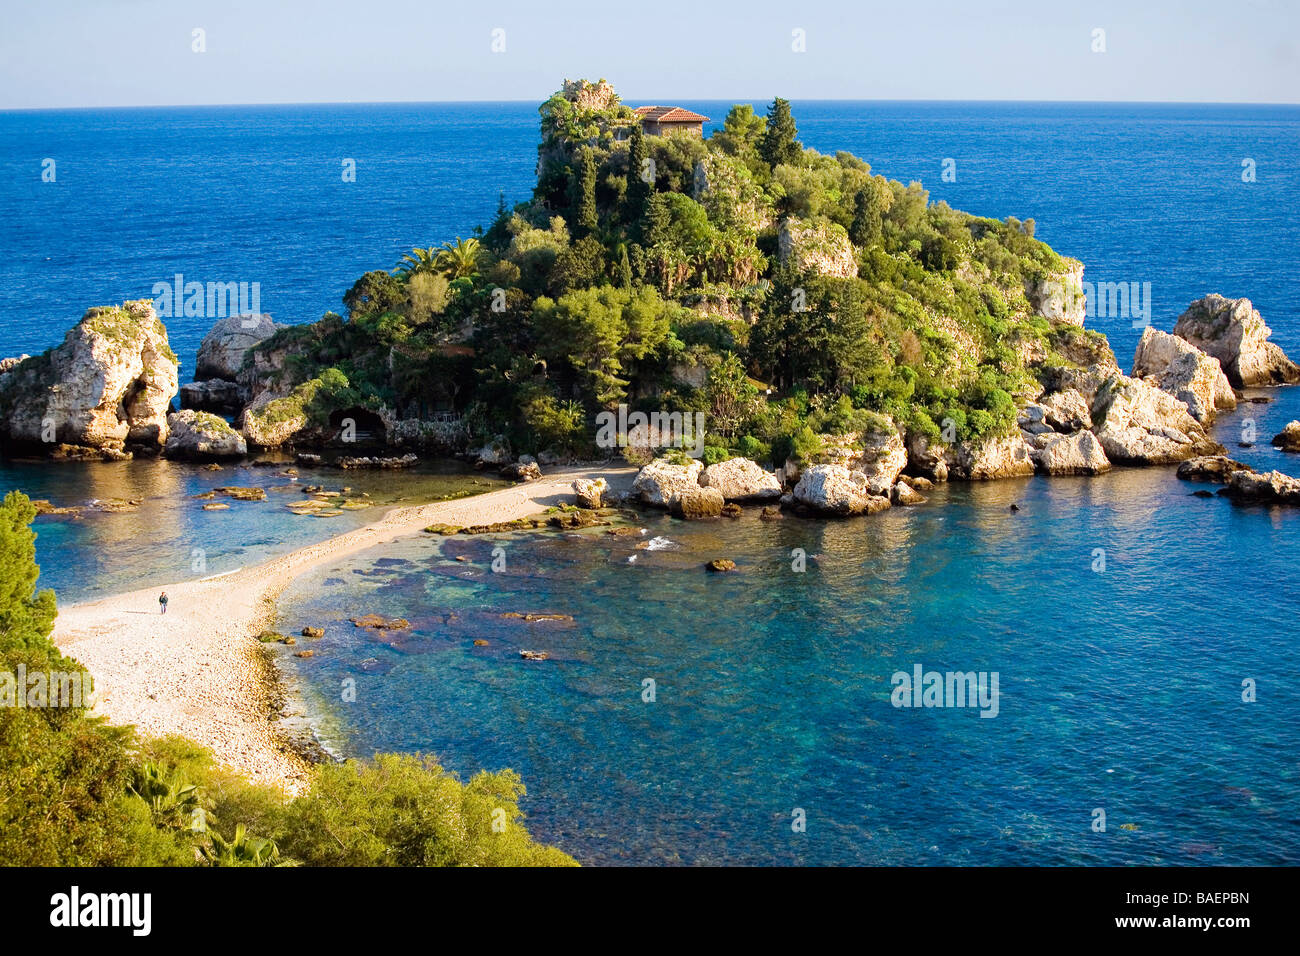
(847, 342)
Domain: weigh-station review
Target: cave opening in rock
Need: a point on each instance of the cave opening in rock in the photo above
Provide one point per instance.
(358, 426)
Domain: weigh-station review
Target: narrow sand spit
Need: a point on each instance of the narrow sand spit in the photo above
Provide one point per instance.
(199, 671)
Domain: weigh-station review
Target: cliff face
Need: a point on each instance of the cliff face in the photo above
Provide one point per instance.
(107, 387)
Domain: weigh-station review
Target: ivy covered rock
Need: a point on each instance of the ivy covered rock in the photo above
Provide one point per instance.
(108, 386)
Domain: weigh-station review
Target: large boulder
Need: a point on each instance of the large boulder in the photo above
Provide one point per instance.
(1288, 439)
(882, 458)
(109, 384)
(740, 479)
(696, 502)
(1232, 331)
(834, 490)
(1077, 454)
(1211, 468)
(1008, 457)
(659, 480)
(1185, 372)
(1139, 423)
(590, 492)
(222, 351)
(1271, 487)
(202, 436)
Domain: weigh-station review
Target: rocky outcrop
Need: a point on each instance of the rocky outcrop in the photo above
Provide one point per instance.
(10, 363)
(659, 480)
(1009, 457)
(1185, 372)
(1211, 468)
(202, 436)
(1067, 411)
(1271, 487)
(109, 385)
(1288, 439)
(495, 452)
(222, 351)
(214, 395)
(1077, 454)
(1060, 296)
(590, 493)
(823, 249)
(1233, 331)
(1139, 423)
(834, 490)
(926, 458)
(739, 479)
(696, 502)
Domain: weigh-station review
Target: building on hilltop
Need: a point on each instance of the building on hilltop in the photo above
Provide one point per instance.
(667, 120)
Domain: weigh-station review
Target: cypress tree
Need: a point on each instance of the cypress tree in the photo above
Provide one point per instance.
(779, 144)
(587, 219)
(637, 188)
(866, 225)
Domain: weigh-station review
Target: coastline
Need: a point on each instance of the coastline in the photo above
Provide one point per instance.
(199, 671)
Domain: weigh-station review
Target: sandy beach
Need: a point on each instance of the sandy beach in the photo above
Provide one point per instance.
(199, 670)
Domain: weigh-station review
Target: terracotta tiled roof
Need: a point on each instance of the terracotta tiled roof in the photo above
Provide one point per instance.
(669, 114)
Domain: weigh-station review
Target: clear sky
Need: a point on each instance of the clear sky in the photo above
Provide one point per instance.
(140, 52)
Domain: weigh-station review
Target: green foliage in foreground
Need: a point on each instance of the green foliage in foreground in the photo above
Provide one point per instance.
(77, 792)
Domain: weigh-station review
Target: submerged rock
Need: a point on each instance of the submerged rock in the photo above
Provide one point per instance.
(721, 564)
(1185, 372)
(1233, 331)
(377, 623)
(696, 502)
(200, 436)
(740, 479)
(108, 385)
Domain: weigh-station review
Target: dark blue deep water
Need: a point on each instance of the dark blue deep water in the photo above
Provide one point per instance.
(1120, 688)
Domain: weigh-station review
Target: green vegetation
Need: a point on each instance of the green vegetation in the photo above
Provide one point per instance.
(665, 271)
(77, 792)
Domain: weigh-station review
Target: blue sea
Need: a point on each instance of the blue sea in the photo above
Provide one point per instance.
(1122, 614)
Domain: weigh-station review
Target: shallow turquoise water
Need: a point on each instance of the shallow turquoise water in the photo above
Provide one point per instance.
(168, 537)
(1120, 689)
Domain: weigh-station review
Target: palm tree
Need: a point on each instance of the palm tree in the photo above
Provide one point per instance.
(418, 260)
(459, 259)
(243, 850)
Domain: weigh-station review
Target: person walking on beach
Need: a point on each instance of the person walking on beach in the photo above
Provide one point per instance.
(162, 602)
